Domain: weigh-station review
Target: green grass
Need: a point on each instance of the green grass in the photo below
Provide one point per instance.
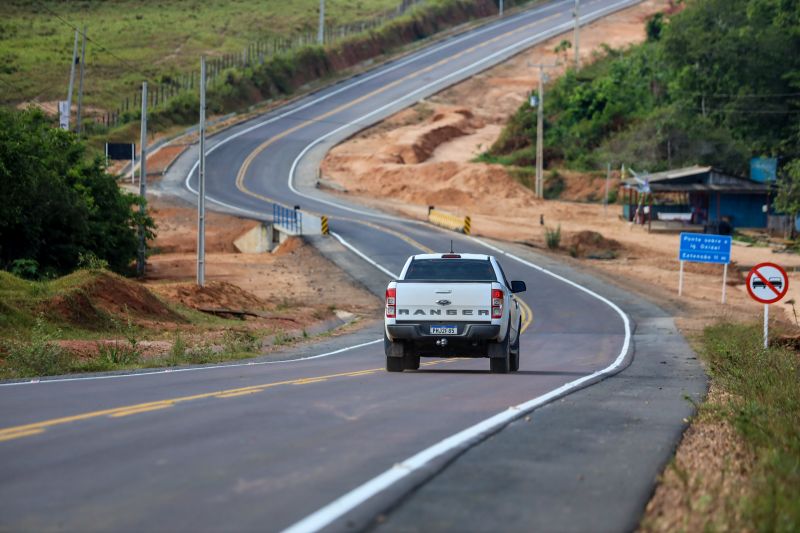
(144, 40)
(764, 407)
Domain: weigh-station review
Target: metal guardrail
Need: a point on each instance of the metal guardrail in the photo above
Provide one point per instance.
(290, 220)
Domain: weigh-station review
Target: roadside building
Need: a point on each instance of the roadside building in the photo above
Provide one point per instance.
(698, 199)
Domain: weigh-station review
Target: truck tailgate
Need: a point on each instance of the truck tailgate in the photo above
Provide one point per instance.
(442, 301)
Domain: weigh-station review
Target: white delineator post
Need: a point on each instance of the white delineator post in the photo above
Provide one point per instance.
(680, 281)
(201, 189)
(724, 280)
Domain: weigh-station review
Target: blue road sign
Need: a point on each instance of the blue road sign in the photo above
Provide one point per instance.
(702, 248)
(764, 169)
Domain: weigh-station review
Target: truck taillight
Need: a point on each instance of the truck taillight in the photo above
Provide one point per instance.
(391, 302)
(497, 303)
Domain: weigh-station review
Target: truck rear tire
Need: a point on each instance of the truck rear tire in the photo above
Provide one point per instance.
(514, 362)
(395, 364)
(410, 361)
(502, 364)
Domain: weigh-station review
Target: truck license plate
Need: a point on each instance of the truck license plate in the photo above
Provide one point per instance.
(444, 330)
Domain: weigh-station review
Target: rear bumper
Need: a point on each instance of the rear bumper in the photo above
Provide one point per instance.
(467, 334)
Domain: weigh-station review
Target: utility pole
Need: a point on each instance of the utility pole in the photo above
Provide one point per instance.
(72, 77)
(140, 260)
(540, 136)
(321, 31)
(539, 183)
(576, 37)
(201, 189)
(605, 199)
(500, 10)
(80, 84)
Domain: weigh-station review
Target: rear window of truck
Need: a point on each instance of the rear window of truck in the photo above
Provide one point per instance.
(450, 270)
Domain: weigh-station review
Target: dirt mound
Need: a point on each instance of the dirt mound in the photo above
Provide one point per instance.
(103, 295)
(586, 186)
(289, 246)
(416, 143)
(176, 222)
(215, 295)
(471, 188)
(592, 245)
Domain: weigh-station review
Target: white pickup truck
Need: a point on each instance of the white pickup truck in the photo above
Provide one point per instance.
(452, 305)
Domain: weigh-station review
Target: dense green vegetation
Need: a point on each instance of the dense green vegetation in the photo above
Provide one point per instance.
(715, 84)
(58, 208)
(763, 405)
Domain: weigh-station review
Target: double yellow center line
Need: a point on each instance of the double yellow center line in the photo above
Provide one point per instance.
(26, 430)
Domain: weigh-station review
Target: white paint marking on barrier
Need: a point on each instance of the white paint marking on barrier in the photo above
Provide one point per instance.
(326, 515)
(191, 369)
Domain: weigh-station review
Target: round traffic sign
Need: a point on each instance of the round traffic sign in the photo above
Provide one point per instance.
(767, 283)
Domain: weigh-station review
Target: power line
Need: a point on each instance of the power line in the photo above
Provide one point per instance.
(730, 95)
(745, 111)
(131, 68)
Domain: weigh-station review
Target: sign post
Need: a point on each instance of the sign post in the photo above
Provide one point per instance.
(767, 283)
(703, 248)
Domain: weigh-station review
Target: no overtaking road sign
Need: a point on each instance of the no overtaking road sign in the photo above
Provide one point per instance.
(767, 283)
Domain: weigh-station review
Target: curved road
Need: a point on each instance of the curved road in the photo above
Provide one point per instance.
(309, 441)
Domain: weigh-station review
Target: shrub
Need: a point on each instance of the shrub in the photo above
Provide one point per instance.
(39, 356)
(237, 342)
(117, 354)
(552, 237)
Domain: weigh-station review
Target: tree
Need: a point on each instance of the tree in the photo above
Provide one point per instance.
(788, 198)
(56, 204)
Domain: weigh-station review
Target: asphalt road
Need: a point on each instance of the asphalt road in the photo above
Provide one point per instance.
(311, 441)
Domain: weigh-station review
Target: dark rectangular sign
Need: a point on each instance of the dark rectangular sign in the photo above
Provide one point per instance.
(120, 150)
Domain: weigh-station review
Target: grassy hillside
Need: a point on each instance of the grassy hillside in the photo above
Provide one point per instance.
(132, 40)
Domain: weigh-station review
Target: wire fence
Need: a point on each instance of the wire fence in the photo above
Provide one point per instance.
(255, 53)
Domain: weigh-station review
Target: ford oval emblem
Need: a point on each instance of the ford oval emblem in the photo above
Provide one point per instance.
(443, 302)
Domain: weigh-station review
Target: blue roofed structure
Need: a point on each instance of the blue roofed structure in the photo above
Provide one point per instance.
(698, 198)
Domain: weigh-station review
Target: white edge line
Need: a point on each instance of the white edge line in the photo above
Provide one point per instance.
(349, 501)
(363, 256)
(40, 381)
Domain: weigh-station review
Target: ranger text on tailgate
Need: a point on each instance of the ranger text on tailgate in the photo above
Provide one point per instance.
(452, 305)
